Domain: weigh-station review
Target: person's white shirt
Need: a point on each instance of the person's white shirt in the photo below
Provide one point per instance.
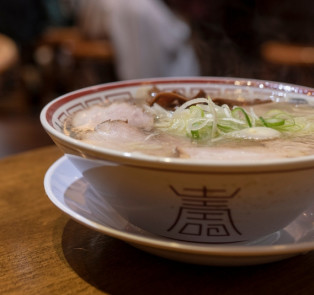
(148, 38)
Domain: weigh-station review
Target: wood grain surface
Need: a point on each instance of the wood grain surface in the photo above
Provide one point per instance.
(42, 251)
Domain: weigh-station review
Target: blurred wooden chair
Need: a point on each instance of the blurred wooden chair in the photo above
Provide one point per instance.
(293, 63)
(288, 54)
(79, 47)
(75, 61)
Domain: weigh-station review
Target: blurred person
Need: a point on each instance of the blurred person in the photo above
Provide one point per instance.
(148, 38)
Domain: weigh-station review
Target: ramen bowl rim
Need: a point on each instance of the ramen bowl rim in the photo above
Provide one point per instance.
(166, 163)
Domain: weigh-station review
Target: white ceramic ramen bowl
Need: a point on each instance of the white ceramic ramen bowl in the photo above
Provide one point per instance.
(203, 202)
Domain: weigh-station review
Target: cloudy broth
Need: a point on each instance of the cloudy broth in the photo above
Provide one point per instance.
(134, 128)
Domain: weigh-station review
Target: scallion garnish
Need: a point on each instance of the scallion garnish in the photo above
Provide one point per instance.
(202, 119)
(247, 118)
(272, 122)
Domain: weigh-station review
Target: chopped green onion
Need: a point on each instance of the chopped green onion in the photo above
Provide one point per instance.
(202, 119)
(247, 118)
(195, 134)
(272, 122)
(197, 111)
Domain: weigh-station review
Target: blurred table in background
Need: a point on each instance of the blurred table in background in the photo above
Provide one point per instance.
(20, 133)
(69, 61)
(70, 38)
(43, 251)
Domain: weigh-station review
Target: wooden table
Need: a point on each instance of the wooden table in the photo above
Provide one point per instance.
(42, 251)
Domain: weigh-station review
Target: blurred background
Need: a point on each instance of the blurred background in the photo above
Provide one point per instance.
(51, 47)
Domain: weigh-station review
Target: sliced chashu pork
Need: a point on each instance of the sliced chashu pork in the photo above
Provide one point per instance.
(122, 111)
